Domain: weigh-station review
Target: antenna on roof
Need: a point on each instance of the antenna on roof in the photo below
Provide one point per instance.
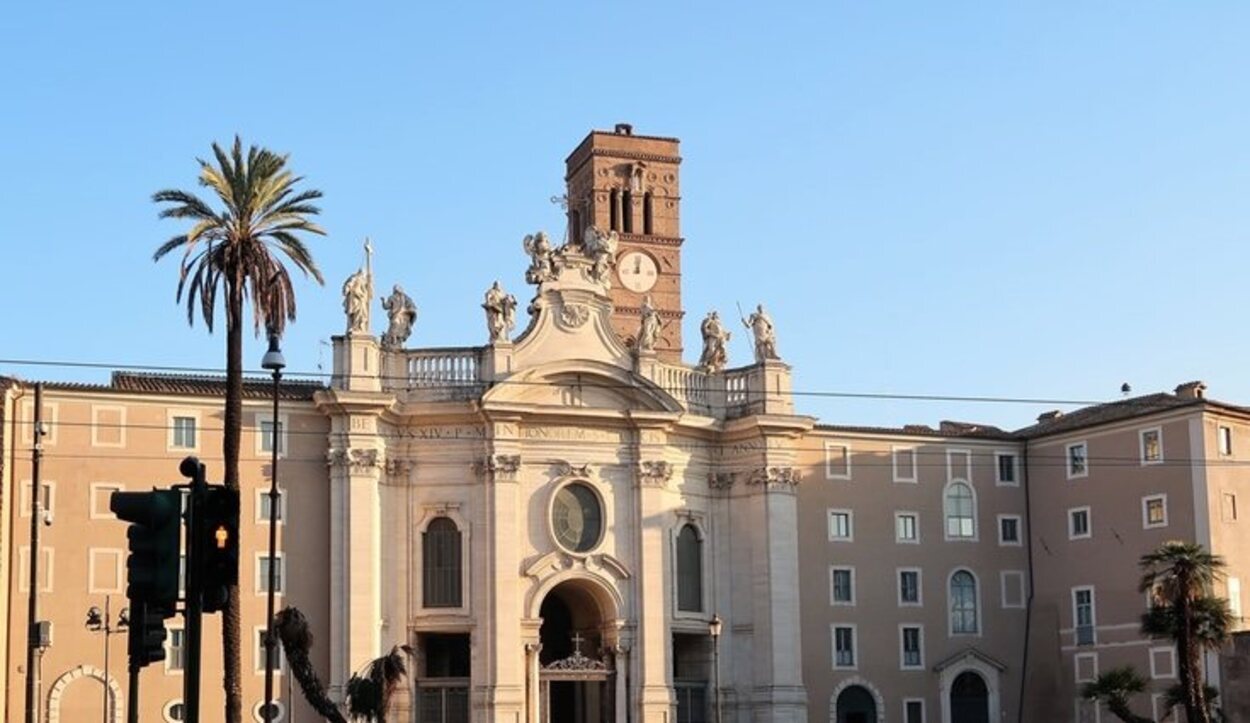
(1125, 389)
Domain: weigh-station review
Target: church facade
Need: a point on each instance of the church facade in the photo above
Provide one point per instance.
(570, 523)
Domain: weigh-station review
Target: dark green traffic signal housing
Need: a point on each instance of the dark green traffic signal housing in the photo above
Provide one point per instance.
(218, 548)
(146, 639)
(154, 535)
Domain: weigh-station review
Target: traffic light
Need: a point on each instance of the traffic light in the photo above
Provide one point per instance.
(218, 547)
(146, 639)
(154, 535)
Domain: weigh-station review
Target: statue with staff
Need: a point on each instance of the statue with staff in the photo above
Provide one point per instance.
(765, 336)
(357, 291)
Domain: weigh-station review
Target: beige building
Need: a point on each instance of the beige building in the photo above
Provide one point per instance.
(569, 523)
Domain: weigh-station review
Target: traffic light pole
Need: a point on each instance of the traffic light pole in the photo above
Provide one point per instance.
(132, 695)
(195, 587)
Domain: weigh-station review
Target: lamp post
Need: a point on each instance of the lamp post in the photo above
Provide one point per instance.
(98, 622)
(274, 362)
(714, 629)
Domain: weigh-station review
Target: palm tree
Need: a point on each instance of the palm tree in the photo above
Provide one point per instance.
(369, 693)
(231, 251)
(1179, 576)
(1114, 688)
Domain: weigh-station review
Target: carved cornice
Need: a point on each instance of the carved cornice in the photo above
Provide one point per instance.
(655, 473)
(721, 480)
(502, 467)
(775, 477)
(567, 469)
(356, 459)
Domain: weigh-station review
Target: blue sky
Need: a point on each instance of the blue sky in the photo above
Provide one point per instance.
(944, 198)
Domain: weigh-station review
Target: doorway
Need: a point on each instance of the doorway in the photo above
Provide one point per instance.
(576, 683)
(970, 699)
(856, 705)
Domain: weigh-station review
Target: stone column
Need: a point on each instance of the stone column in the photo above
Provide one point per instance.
(503, 516)
(355, 579)
(620, 663)
(655, 700)
(533, 692)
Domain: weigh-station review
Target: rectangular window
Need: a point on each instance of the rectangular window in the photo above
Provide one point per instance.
(1085, 667)
(959, 465)
(1083, 615)
(841, 525)
(906, 527)
(1226, 440)
(108, 426)
(904, 464)
(45, 569)
(837, 461)
(1228, 507)
(842, 585)
(1159, 707)
(844, 646)
(1012, 583)
(263, 503)
(1234, 597)
(101, 494)
(913, 711)
(1078, 460)
(266, 436)
(1151, 446)
(262, 575)
(176, 651)
(909, 587)
(104, 571)
(1009, 529)
(279, 664)
(1078, 523)
(911, 642)
(1006, 468)
(184, 433)
(182, 575)
(1154, 511)
(1163, 662)
(47, 497)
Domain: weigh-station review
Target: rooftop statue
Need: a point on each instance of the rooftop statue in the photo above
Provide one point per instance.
(761, 326)
(402, 313)
(600, 248)
(714, 356)
(357, 291)
(649, 329)
(542, 258)
(500, 309)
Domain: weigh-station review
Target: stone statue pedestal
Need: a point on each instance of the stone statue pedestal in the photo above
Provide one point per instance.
(645, 363)
(770, 381)
(497, 361)
(357, 363)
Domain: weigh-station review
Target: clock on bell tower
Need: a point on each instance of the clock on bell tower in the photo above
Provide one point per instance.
(629, 184)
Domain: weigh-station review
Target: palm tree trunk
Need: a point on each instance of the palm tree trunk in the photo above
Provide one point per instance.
(230, 623)
(1191, 664)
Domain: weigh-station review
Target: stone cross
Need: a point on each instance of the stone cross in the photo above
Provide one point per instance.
(577, 643)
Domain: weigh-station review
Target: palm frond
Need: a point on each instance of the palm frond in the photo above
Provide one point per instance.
(297, 640)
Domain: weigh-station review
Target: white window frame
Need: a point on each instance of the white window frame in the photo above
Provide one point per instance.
(51, 422)
(1155, 672)
(833, 600)
(915, 464)
(262, 494)
(48, 502)
(951, 454)
(1146, 524)
(850, 524)
(107, 489)
(48, 564)
(833, 634)
(1224, 440)
(846, 449)
(902, 651)
(1089, 523)
(284, 434)
(950, 605)
(1019, 541)
(1015, 469)
(908, 701)
(261, 579)
(169, 648)
(1076, 666)
(1003, 577)
(98, 559)
(946, 529)
(1159, 709)
(1079, 703)
(167, 711)
(1093, 616)
(1232, 589)
(1067, 459)
(1141, 445)
(194, 414)
(96, 409)
(277, 703)
(915, 521)
(259, 654)
(898, 587)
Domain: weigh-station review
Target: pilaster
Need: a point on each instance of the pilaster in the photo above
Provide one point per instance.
(652, 649)
(500, 472)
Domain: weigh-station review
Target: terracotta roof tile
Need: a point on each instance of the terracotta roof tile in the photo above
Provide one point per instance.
(1109, 412)
(194, 385)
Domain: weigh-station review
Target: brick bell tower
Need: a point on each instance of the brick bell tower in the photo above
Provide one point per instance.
(629, 184)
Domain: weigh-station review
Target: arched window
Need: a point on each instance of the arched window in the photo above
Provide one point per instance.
(614, 210)
(440, 562)
(646, 213)
(963, 603)
(961, 512)
(689, 570)
(627, 211)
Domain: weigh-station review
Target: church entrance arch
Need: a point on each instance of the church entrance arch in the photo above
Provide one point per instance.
(970, 699)
(575, 675)
(856, 705)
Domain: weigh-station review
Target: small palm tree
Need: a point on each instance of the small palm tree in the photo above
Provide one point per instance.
(232, 251)
(369, 693)
(1114, 688)
(1180, 576)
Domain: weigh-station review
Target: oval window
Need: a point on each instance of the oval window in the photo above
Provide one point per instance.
(577, 518)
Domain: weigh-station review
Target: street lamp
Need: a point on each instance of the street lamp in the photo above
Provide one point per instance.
(274, 362)
(714, 629)
(99, 622)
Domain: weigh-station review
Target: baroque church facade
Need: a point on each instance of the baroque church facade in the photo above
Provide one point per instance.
(573, 524)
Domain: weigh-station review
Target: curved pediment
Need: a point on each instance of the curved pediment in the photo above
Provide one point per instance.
(580, 384)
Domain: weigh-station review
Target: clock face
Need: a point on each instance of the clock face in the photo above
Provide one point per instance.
(638, 271)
